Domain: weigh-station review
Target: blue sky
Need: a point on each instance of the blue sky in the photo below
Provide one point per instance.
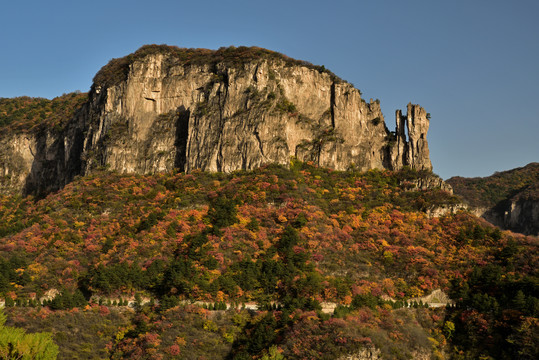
(474, 65)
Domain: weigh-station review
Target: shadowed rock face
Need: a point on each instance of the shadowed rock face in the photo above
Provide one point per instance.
(519, 213)
(508, 199)
(523, 216)
(165, 114)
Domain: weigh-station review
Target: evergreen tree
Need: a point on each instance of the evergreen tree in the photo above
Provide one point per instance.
(519, 302)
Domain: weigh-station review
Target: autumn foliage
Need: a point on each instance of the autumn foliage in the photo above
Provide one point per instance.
(117, 70)
(27, 113)
(294, 237)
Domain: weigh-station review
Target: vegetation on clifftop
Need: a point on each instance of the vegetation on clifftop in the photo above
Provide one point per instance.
(26, 113)
(491, 190)
(117, 69)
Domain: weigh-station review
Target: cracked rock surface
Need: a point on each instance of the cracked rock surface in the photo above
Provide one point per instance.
(167, 115)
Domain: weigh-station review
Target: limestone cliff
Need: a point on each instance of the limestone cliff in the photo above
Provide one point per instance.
(39, 161)
(508, 199)
(164, 108)
(413, 151)
(522, 215)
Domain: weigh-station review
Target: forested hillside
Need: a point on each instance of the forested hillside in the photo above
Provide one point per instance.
(509, 199)
(25, 113)
(124, 248)
(284, 239)
(490, 191)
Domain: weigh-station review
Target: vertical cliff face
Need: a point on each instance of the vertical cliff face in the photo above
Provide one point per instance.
(413, 150)
(165, 108)
(523, 215)
(38, 162)
(42, 159)
(16, 157)
(518, 214)
(218, 117)
(222, 118)
(508, 199)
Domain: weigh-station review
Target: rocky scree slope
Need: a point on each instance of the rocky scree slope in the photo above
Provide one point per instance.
(164, 108)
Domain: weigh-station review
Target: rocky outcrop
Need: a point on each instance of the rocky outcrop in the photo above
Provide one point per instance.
(367, 353)
(427, 181)
(508, 199)
(42, 160)
(437, 298)
(16, 157)
(522, 215)
(160, 110)
(371, 353)
(414, 150)
(439, 211)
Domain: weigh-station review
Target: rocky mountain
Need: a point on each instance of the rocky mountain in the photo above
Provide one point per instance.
(140, 255)
(508, 199)
(164, 108)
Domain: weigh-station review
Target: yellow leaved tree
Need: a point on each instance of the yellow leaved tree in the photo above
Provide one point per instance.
(15, 343)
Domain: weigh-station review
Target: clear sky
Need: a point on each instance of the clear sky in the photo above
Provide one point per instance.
(473, 64)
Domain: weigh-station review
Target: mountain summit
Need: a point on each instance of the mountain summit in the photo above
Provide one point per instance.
(164, 108)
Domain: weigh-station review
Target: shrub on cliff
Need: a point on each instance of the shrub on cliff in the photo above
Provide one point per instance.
(117, 69)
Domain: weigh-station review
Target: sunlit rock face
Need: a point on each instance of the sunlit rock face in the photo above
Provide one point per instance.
(157, 111)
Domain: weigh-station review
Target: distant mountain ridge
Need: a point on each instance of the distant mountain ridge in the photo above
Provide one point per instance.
(164, 108)
(509, 199)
